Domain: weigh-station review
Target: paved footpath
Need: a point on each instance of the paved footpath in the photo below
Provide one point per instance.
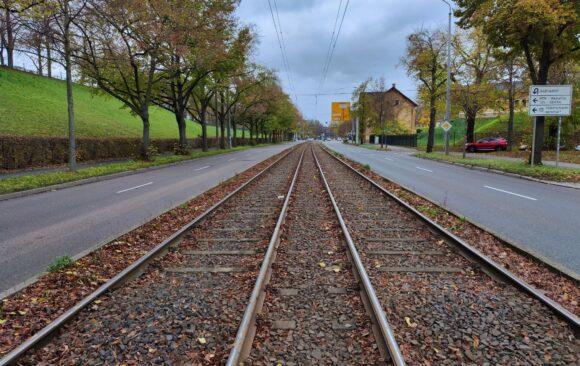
(38, 228)
(540, 218)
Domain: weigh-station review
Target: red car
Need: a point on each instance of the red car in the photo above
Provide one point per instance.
(487, 144)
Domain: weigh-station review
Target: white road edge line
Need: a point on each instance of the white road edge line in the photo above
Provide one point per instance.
(132, 188)
(427, 170)
(202, 168)
(389, 159)
(512, 193)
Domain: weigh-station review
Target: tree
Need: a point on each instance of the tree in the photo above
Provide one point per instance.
(425, 62)
(11, 24)
(510, 66)
(379, 107)
(121, 51)
(201, 30)
(545, 31)
(473, 88)
(66, 13)
(361, 106)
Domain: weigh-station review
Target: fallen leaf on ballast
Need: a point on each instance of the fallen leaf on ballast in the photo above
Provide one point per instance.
(201, 340)
(475, 342)
(410, 323)
(2, 321)
(322, 264)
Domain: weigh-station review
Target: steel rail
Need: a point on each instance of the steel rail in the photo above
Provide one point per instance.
(242, 340)
(369, 291)
(489, 263)
(125, 274)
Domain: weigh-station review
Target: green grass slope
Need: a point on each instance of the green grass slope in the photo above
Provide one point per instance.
(36, 106)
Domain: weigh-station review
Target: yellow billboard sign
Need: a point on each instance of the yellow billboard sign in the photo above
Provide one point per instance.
(340, 112)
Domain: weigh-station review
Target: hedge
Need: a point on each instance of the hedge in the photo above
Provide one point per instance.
(18, 152)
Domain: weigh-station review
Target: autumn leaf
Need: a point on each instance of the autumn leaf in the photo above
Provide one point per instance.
(410, 323)
(201, 340)
(475, 342)
(322, 264)
(2, 321)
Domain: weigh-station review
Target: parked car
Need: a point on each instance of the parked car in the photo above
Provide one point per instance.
(487, 144)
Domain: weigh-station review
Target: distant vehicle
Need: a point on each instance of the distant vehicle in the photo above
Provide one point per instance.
(577, 147)
(487, 144)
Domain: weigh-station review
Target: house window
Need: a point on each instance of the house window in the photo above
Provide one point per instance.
(397, 102)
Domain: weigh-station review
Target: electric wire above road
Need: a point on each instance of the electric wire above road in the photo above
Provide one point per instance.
(282, 44)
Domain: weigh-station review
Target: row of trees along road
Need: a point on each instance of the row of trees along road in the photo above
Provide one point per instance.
(190, 57)
(499, 44)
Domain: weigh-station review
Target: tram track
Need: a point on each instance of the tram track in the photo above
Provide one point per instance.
(445, 303)
(186, 297)
(309, 262)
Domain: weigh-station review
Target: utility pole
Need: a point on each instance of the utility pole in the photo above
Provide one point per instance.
(448, 92)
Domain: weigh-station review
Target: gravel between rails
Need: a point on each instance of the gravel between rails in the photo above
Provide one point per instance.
(312, 289)
(173, 314)
(443, 308)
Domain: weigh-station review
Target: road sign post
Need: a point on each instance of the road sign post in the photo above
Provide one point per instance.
(546, 101)
(446, 126)
(558, 141)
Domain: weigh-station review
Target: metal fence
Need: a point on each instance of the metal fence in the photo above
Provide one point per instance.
(398, 140)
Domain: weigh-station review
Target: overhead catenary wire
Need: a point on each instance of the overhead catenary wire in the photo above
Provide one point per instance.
(279, 37)
(330, 44)
(292, 86)
(335, 42)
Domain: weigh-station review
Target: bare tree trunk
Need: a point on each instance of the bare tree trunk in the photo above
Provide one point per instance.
(180, 118)
(39, 58)
(72, 154)
(2, 47)
(510, 132)
(9, 38)
(145, 140)
(432, 116)
(48, 57)
(470, 129)
(202, 117)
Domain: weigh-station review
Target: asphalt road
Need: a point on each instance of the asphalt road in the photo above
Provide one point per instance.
(542, 219)
(36, 229)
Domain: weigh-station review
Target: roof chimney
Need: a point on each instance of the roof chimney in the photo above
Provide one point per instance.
(394, 85)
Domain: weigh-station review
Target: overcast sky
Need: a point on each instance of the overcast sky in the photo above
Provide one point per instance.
(371, 43)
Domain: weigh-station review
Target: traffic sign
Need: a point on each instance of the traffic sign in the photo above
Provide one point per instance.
(446, 126)
(340, 112)
(550, 100)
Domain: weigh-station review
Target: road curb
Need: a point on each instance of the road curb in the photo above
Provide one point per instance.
(501, 172)
(56, 187)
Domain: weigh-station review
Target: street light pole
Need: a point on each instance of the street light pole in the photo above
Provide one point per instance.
(448, 92)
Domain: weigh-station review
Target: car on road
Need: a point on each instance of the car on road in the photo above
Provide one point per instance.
(487, 144)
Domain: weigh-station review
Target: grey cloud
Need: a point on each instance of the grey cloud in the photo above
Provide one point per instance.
(371, 43)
